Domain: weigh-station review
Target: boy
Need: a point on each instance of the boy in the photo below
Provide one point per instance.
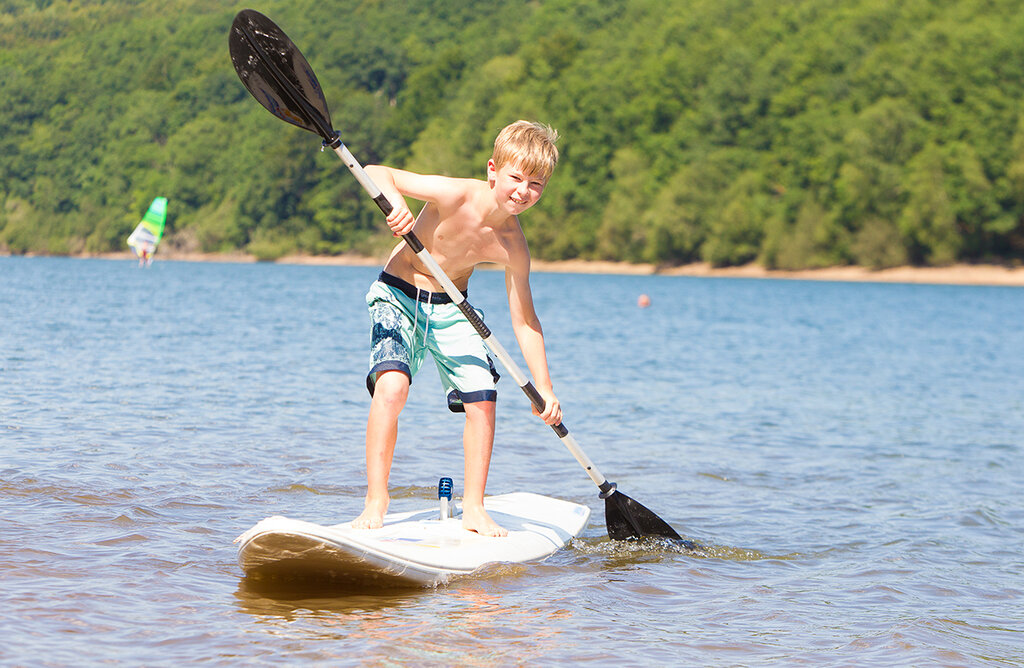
(463, 223)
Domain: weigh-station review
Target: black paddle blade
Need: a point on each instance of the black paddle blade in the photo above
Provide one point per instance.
(628, 519)
(277, 74)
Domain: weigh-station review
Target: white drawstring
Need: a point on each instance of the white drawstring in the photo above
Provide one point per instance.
(426, 327)
(416, 318)
(416, 315)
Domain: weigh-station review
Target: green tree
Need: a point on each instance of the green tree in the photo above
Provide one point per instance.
(622, 236)
(928, 220)
(738, 228)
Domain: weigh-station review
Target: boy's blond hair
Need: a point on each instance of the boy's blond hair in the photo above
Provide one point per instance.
(529, 146)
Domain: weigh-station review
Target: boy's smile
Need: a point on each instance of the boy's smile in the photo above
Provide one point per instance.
(514, 190)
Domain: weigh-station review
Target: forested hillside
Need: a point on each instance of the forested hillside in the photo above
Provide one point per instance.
(794, 133)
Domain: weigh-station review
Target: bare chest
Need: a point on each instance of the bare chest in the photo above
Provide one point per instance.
(460, 241)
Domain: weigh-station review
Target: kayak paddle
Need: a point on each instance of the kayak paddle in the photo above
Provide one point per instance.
(279, 77)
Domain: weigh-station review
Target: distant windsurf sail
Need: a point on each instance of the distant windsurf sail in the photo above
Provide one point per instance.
(150, 229)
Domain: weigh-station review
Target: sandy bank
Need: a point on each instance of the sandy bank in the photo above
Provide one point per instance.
(958, 274)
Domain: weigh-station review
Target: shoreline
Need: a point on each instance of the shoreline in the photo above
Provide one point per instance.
(957, 274)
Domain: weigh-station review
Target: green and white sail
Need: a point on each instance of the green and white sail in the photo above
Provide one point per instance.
(147, 234)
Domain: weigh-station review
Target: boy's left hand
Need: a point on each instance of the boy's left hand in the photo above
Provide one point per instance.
(552, 414)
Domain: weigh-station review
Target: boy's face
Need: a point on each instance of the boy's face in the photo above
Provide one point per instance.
(514, 190)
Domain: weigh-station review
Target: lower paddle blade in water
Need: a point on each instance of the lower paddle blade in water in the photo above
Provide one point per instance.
(628, 519)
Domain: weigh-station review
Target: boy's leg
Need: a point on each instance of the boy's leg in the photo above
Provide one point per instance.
(477, 443)
(389, 396)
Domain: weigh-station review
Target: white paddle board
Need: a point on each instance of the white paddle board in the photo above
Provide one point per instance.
(412, 548)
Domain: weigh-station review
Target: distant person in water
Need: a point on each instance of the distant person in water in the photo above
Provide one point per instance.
(463, 222)
(643, 301)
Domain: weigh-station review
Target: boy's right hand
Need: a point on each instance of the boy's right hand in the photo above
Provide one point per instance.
(400, 220)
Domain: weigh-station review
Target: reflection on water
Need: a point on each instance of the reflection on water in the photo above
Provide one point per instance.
(282, 597)
(847, 457)
(467, 622)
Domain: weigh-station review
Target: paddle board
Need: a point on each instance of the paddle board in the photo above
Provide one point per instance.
(415, 548)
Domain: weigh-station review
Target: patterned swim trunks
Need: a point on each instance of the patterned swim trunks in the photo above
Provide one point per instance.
(409, 322)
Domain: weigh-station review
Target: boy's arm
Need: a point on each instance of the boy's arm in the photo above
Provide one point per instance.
(529, 334)
(400, 220)
(397, 184)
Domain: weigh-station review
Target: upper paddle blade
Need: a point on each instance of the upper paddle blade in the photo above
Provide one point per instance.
(628, 519)
(277, 74)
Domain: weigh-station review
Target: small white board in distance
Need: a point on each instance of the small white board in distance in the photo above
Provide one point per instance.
(412, 548)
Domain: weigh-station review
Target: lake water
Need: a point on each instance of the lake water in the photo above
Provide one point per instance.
(850, 456)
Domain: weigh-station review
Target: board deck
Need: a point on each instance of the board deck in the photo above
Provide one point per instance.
(414, 548)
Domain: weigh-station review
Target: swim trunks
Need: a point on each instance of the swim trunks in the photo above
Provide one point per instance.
(409, 322)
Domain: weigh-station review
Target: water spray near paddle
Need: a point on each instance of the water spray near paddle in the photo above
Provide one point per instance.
(279, 77)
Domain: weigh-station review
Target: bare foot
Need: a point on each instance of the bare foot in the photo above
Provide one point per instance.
(477, 519)
(372, 516)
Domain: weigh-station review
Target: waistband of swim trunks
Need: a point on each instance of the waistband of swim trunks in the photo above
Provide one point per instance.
(412, 292)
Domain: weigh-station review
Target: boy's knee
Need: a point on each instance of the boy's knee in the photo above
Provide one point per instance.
(391, 387)
(481, 408)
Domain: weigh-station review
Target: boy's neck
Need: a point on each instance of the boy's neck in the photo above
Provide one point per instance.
(490, 212)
